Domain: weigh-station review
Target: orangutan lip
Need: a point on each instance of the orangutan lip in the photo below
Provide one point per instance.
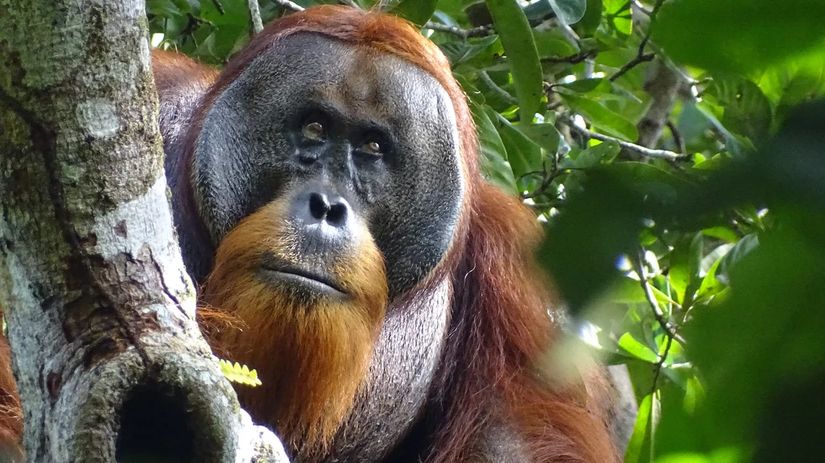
(304, 276)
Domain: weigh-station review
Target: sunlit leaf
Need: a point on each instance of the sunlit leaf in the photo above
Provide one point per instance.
(634, 347)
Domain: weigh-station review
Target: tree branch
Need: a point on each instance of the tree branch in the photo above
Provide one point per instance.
(641, 55)
(677, 136)
(631, 147)
(640, 58)
(663, 86)
(660, 364)
(286, 4)
(572, 59)
(255, 16)
(480, 31)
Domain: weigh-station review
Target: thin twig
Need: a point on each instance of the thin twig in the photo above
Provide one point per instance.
(480, 31)
(641, 55)
(547, 176)
(289, 5)
(677, 136)
(660, 364)
(572, 59)
(255, 16)
(631, 147)
(637, 60)
(349, 3)
(668, 327)
(219, 6)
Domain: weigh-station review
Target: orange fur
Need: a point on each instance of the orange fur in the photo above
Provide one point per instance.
(502, 315)
(500, 327)
(311, 354)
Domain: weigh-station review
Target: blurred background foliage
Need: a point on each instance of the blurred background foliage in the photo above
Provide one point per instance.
(674, 150)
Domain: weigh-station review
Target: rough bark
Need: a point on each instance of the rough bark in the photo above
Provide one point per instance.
(100, 312)
(663, 85)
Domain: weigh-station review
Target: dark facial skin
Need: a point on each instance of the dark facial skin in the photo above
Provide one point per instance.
(363, 128)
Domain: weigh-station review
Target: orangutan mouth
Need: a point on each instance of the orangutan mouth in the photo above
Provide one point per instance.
(303, 279)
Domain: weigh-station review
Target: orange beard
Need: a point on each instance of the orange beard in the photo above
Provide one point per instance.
(311, 353)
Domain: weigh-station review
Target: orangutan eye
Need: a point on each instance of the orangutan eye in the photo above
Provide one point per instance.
(313, 130)
(372, 147)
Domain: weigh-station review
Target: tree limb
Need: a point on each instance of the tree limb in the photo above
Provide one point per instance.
(99, 307)
(631, 147)
(480, 31)
(255, 16)
(663, 85)
(289, 5)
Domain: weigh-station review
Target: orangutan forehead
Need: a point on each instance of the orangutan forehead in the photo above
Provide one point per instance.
(358, 78)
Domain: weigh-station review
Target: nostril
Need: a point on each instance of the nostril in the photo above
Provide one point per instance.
(318, 206)
(337, 213)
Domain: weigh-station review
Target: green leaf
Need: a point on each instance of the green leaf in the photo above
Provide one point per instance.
(517, 38)
(602, 117)
(741, 249)
(747, 110)
(728, 455)
(684, 270)
(592, 17)
(494, 163)
(585, 86)
(569, 11)
(584, 242)
(552, 44)
(164, 8)
(657, 185)
(764, 342)
(417, 11)
(619, 19)
(451, 8)
(524, 155)
(634, 347)
(792, 83)
(738, 35)
(463, 51)
(590, 157)
(544, 135)
(640, 448)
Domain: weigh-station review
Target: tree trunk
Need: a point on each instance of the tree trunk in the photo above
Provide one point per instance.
(100, 311)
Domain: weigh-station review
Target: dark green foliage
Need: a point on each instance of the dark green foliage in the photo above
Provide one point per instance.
(702, 265)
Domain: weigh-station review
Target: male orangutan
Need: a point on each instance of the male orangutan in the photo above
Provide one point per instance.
(327, 196)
